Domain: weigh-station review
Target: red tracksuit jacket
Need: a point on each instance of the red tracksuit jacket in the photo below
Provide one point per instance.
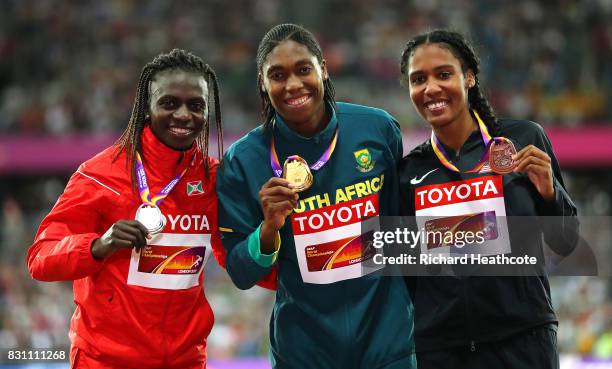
(144, 310)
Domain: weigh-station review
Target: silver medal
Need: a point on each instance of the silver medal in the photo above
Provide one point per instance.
(151, 217)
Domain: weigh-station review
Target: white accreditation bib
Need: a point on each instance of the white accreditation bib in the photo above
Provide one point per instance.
(447, 211)
(331, 242)
(170, 261)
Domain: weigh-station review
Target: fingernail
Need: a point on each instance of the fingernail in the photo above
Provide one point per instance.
(513, 156)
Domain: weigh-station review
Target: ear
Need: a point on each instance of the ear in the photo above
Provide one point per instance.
(470, 79)
(324, 74)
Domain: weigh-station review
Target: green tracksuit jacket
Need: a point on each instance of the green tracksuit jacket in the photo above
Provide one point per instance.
(326, 315)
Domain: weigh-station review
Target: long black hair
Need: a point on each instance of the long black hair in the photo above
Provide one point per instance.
(463, 50)
(272, 38)
(176, 59)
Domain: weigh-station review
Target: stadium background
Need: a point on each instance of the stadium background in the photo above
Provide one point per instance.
(68, 74)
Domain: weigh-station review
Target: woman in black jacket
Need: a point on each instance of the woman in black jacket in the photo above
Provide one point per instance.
(475, 163)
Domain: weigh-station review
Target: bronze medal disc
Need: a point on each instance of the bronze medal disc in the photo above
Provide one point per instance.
(297, 172)
(500, 157)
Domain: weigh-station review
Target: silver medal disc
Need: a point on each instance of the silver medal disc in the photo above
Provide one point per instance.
(151, 217)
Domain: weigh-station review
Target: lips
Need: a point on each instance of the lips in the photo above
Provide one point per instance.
(296, 102)
(436, 106)
(181, 131)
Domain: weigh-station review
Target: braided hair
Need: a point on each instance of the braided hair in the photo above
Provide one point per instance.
(177, 59)
(461, 48)
(276, 35)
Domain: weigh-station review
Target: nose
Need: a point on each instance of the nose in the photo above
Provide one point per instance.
(432, 88)
(182, 113)
(294, 83)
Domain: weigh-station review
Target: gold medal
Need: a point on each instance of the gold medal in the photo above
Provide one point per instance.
(500, 156)
(297, 172)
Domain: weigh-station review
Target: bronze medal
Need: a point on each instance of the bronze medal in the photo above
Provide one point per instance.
(297, 172)
(500, 156)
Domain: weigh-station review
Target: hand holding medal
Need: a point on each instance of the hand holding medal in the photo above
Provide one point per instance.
(122, 234)
(279, 196)
(537, 164)
(278, 199)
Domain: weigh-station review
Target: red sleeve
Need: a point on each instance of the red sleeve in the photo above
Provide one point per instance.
(269, 281)
(61, 249)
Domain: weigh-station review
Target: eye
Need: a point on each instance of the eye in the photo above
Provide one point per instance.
(445, 74)
(197, 106)
(305, 69)
(167, 103)
(276, 76)
(417, 79)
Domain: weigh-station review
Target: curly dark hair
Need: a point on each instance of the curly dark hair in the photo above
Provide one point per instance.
(463, 50)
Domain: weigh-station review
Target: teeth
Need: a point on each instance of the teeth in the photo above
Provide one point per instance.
(298, 101)
(180, 131)
(436, 105)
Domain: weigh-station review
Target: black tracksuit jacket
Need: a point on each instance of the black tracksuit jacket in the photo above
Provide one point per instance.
(464, 311)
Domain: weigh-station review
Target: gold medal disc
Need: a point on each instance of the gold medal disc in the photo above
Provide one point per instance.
(297, 172)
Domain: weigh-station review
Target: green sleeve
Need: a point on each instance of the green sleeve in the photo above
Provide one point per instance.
(254, 246)
(239, 219)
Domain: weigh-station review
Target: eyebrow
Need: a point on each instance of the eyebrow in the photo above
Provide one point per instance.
(444, 66)
(276, 67)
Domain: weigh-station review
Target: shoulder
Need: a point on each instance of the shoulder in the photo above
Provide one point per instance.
(423, 150)
(107, 169)
(523, 132)
(252, 143)
(419, 153)
(109, 162)
(367, 118)
(362, 112)
(520, 127)
(246, 155)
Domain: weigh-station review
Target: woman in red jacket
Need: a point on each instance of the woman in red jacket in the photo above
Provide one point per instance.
(135, 226)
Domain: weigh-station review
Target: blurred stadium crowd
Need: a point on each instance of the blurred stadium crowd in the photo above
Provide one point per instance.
(72, 66)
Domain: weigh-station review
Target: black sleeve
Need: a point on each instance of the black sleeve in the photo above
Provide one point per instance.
(406, 191)
(407, 212)
(560, 218)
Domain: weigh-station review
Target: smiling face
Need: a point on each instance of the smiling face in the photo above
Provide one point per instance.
(438, 86)
(178, 107)
(293, 79)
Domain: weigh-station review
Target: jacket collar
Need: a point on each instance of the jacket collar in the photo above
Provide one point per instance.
(284, 133)
(473, 141)
(161, 161)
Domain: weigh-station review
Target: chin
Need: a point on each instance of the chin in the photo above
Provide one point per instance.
(296, 117)
(437, 120)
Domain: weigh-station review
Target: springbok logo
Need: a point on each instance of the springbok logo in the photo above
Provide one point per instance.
(364, 160)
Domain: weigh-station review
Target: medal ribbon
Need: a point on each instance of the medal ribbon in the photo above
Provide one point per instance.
(143, 186)
(278, 170)
(486, 138)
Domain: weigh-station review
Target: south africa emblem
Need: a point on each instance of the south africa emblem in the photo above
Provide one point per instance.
(364, 160)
